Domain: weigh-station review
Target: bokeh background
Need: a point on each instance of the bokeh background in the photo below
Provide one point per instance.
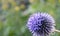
(15, 13)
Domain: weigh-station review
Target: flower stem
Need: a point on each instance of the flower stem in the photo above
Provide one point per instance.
(57, 31)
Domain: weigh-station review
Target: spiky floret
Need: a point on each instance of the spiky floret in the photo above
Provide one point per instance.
(41, 24)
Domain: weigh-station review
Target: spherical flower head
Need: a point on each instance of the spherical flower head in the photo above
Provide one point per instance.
(41, 24)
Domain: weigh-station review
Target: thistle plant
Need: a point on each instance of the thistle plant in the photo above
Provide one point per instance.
(41, 24)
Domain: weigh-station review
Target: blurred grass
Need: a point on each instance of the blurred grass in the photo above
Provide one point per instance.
(15, 13)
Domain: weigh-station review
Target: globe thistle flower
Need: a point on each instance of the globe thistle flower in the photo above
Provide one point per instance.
(41, 24)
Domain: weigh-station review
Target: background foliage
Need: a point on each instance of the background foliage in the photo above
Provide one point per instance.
(15, 13)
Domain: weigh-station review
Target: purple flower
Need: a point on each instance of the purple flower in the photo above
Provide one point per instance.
(41, 24)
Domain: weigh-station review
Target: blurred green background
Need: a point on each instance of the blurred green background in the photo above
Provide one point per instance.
(15, 13)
